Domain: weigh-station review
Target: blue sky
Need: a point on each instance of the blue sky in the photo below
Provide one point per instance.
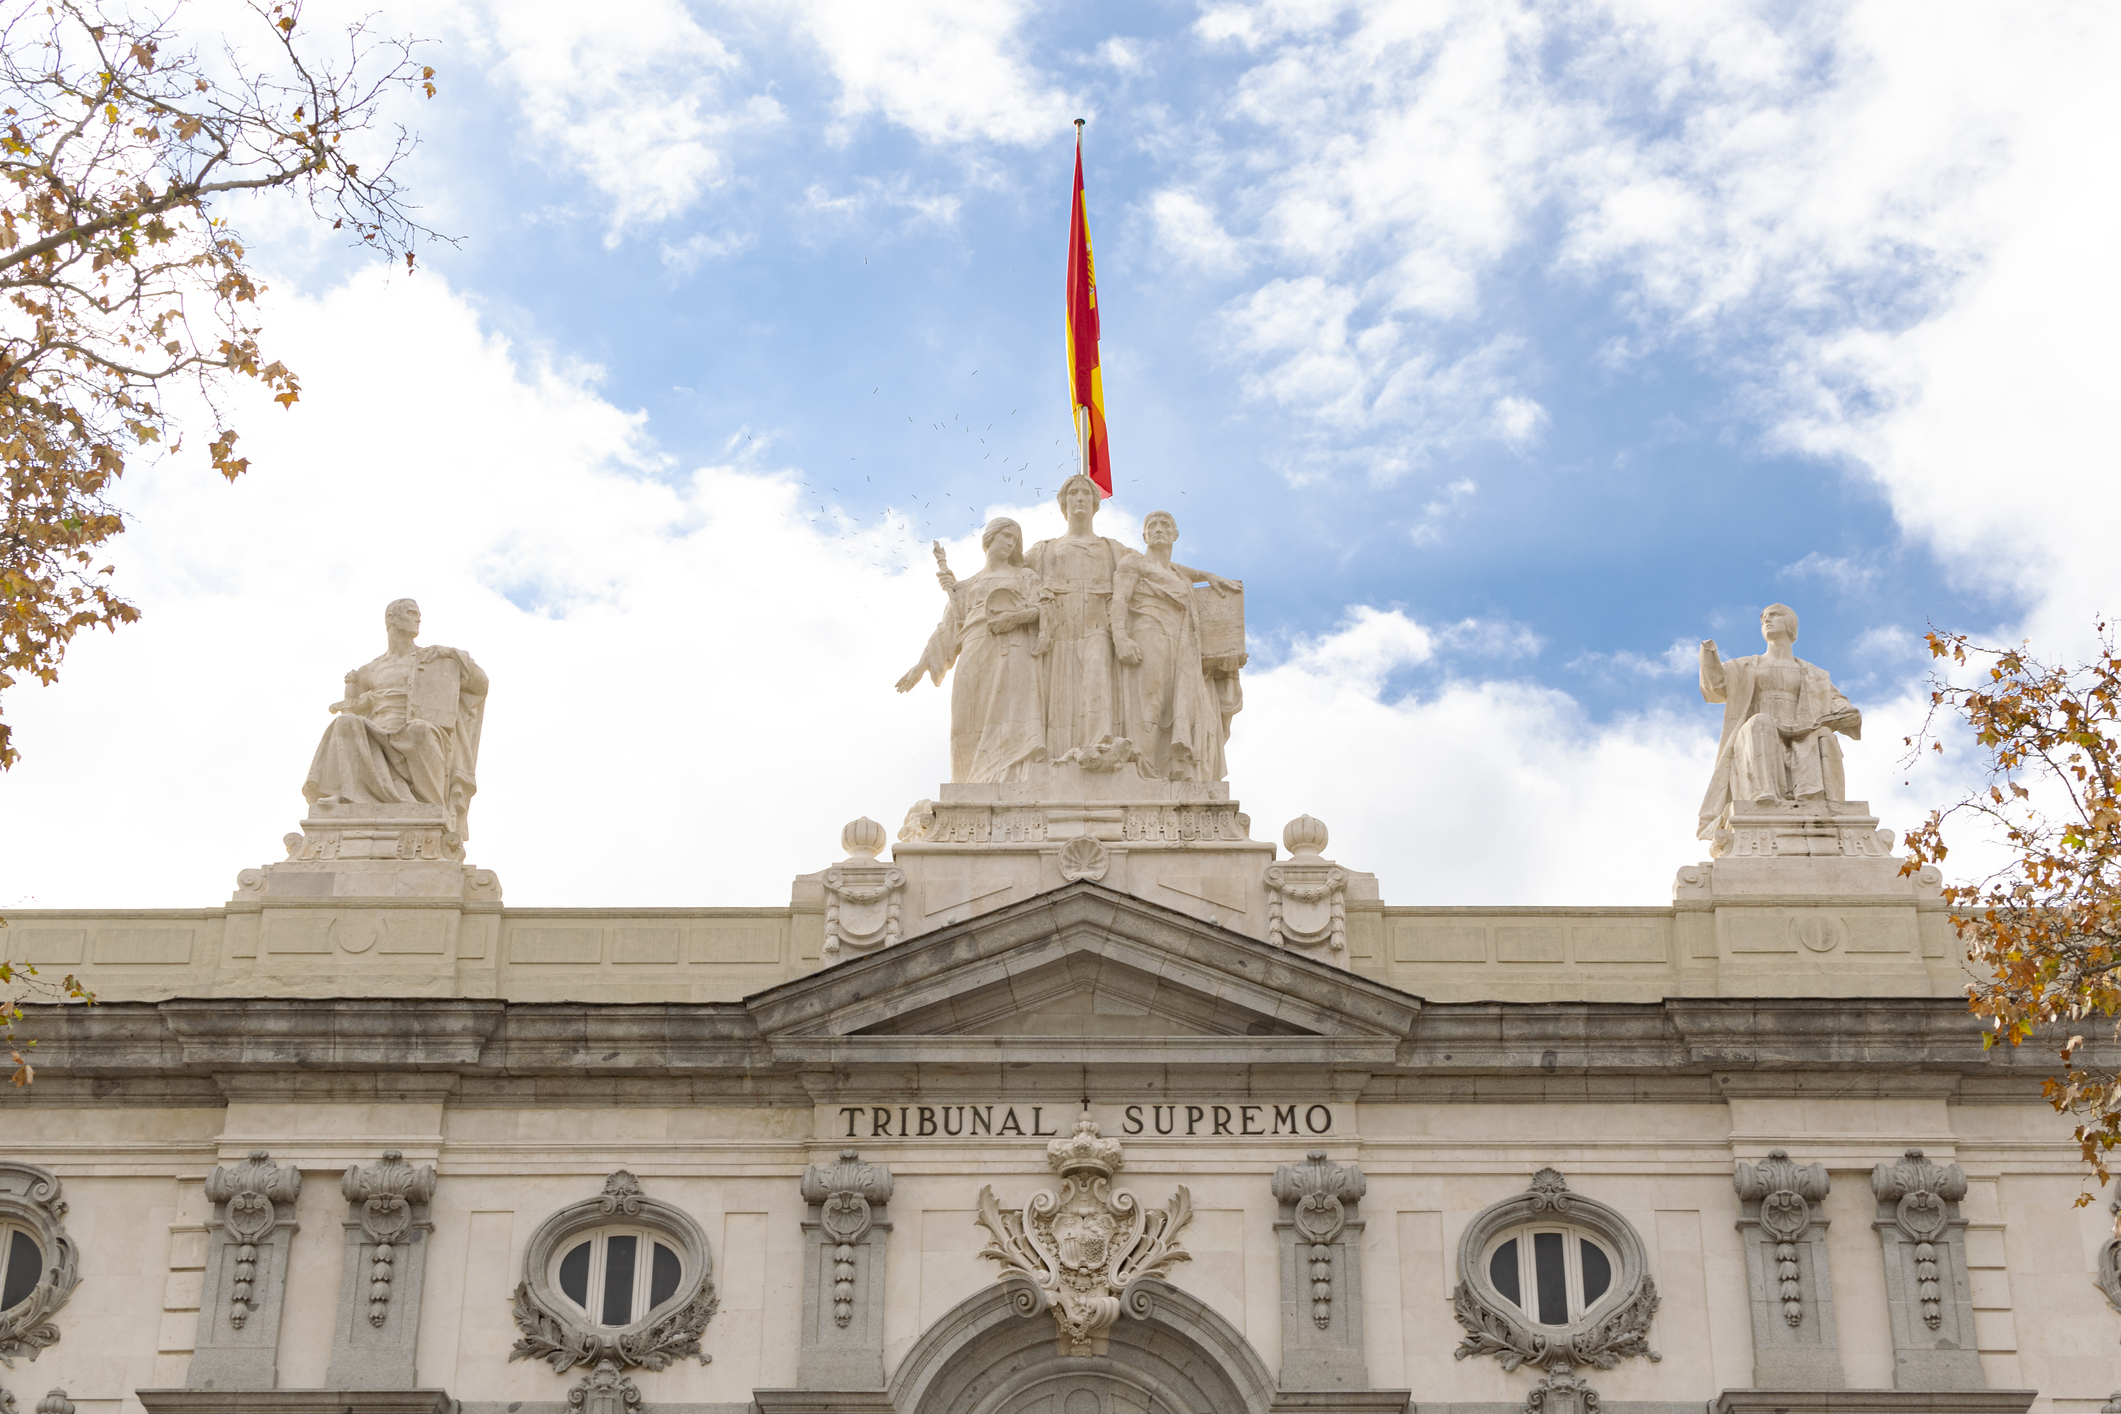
(1503, 350)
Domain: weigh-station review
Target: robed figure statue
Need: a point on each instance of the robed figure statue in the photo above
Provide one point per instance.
(989, 634)
(1780, 716)
(407, 730)
(1173, 714)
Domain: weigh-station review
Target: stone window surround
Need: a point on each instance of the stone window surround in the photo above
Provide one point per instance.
(29, 1199)
(640, 1300)
(1573, 1280)
(557, 1331)
(1553, 1205)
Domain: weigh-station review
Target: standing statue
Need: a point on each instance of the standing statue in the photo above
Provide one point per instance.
(1173, 713)
(1075, 634)
(1780, 715)
(990, 634)
(407, 730)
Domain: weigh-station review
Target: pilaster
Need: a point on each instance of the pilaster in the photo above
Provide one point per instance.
(382, 1276)
(1320, 1237)
(1928, 1296)
(250, 1237)
(1786, 1266)
(844, 1239)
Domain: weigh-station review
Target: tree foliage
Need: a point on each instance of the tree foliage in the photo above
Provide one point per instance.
(2045, 928)
(20, 982)
(127, 309)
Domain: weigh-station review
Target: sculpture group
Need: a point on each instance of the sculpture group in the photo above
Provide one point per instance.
(1087, 651)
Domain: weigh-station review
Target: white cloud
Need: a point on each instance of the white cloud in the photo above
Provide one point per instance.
(1847, 573)
(1187, 227)
(949, 70)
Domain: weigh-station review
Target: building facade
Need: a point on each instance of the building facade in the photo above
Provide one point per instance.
(1074, 1098)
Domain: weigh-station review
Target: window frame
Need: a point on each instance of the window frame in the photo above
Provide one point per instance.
(1578, 1309)
(29, 1201)
(599, 1238)
(1616, 1324)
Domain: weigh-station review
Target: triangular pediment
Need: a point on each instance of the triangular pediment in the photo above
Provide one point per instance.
(1086, 963)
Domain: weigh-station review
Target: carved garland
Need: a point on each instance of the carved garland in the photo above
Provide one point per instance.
(1616, 1327)
(1785, 1193)
(386, 1192)
(553, 1331)
(251, 1195)
(30, 1196)
(843, 1194)
(1919, 1191)
(1081, 1252)
(1318, 1191)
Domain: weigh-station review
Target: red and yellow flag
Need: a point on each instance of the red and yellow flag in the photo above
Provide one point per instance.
(1086, 388)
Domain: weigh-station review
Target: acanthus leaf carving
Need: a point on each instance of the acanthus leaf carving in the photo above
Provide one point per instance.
(386, 1191)
(1080, 1249)
(1920, 1192)
(1785, 1192)
(252, 1195)
(604, 1391)
(844, 1194)
(31, 1196)
(1318, 1192)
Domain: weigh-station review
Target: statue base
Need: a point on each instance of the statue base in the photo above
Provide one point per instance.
(1806, 828)
(348, 850)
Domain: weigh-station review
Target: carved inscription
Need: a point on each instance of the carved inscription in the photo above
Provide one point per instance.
(1242, 1119)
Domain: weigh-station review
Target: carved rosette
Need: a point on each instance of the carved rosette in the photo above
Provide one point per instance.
(253, 1193)
(1919, 1191)
(862, 894)
(843, 1194)
(1077, 1252)
(1318, 1191)
(604, 1391)
(1785, 1193)
(385, 1192)
(30, 1195)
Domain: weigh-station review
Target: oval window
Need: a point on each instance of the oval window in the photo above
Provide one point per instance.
(617, 1276)
(21, 1266)
(1552, 1274)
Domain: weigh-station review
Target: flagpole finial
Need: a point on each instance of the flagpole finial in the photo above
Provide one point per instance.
(1079, 127)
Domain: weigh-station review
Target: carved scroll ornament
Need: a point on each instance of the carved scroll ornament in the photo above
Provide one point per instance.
(1785, 1193)
(1919, 1191)
(1078, 1252)
(252, 1194)
(1318, 1191)
(604, 1391)
(843, 1194)
(30, 1196)
(386, 1192)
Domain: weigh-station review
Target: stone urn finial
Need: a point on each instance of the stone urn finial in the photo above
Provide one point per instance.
(1305, 836)
(863, 839)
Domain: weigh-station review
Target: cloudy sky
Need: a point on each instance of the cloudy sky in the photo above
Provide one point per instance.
(1505, 351)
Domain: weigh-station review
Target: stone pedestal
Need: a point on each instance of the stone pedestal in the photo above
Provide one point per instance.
(373, 851)
(1814, 889)
(1184, 844)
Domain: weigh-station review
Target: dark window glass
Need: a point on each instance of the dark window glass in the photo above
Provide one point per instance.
(574, 1276)
(1551, 1278)
(1502, 1270)
(25, 1266)
(663, 1276)
(618, 1280)
(1597, 1273)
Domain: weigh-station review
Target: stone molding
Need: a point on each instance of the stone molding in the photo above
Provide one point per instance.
(1873, 1401)
(296, 1401)
(30, 1196)
(249, 1241)
(846, 1234)
(1320, 1238)
(1614, 1328)
(1794, 1344)
(383, 1273)
(553, 1331)
(1929, 1296)
(1083, 1252)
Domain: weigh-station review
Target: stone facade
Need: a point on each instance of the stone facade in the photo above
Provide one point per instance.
(1083, 1101)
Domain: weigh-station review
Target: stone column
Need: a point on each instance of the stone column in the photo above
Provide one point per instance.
(1321, 1275)
(249, 1239)
(845, 1236)
(1927, 1293)
(380, 1280)
(1785, 1263)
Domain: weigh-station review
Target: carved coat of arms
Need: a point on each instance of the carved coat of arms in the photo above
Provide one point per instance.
(1081, 1248)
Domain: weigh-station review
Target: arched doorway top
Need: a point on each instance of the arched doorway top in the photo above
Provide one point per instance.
(1170, 1344)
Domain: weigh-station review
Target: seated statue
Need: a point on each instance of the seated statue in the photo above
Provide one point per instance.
(1780, 715)
(407, 730)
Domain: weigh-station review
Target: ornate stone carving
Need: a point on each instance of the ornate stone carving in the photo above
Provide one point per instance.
(551, 1328)
(1614, 1328)
(1077, 1252)
(1785, 1194)
(862, 894)
(1307, 897)
(2109, 1274)
(55, 1402)
(385, 1193)
(253, 1193)
(843, 1194)
(1918, 1191)
(30, 1196)
(1084, 858)
(604, 1391)
(1318, 1192)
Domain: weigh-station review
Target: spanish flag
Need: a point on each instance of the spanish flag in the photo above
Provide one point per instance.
(1086, 389)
